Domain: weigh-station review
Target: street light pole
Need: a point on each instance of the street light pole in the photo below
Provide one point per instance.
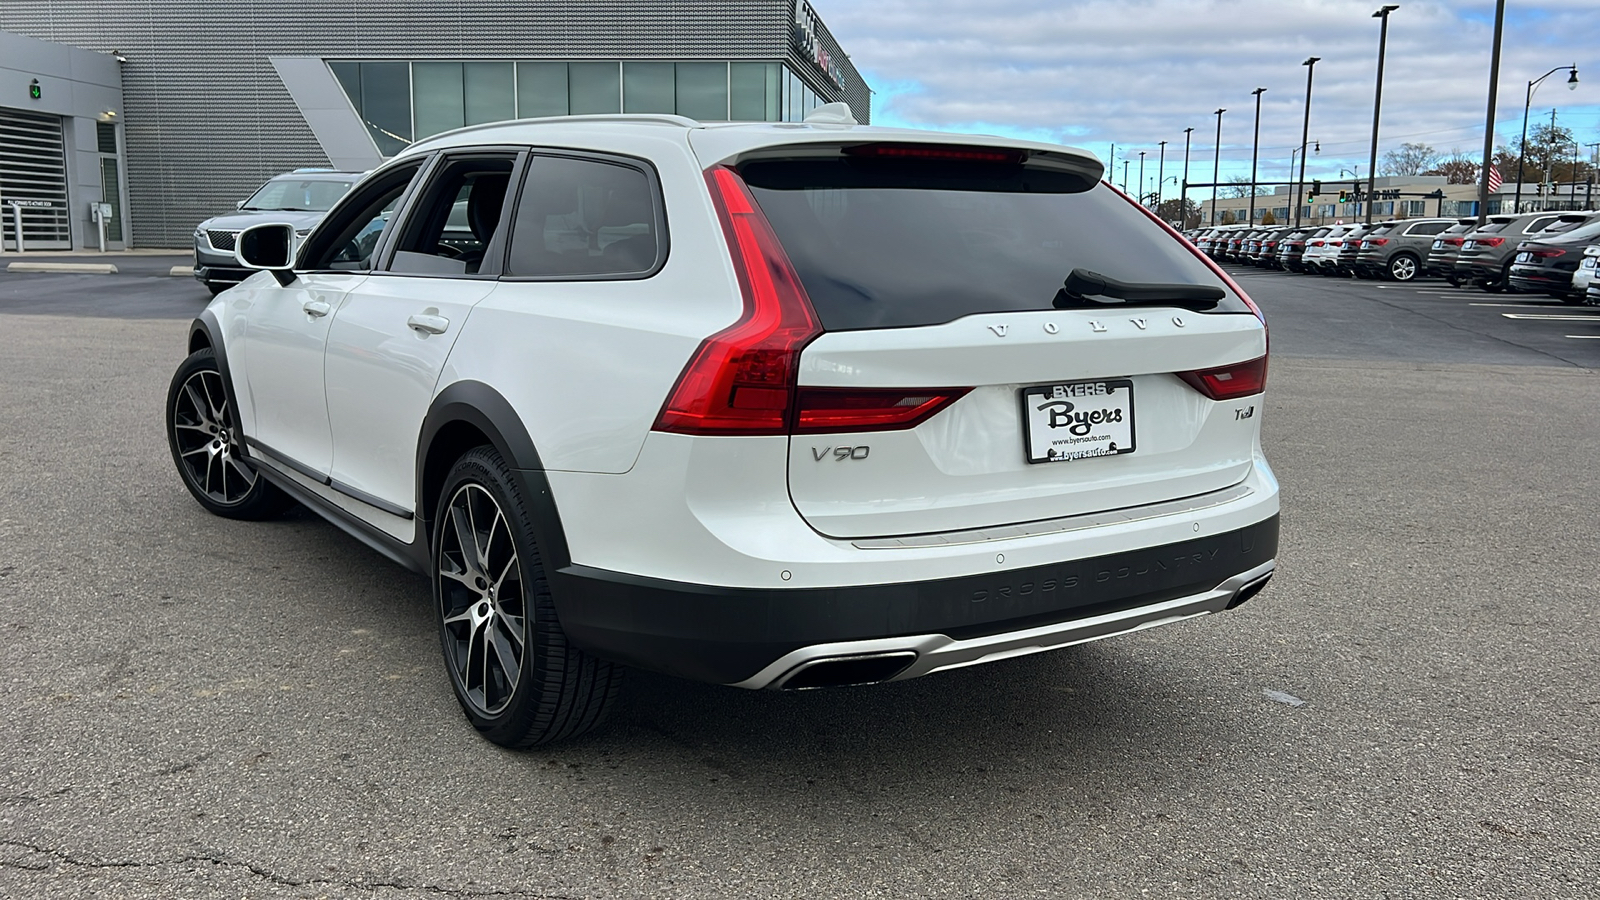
(1488, 125)
(1377, 103)
(1125, 176)
(1216, 167)
(1161, 168)
(1305, 131)
(1255, 148)
(1522, 145)
(1142, 200)
(1183, 201)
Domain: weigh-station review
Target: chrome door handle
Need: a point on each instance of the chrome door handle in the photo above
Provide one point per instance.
(316, 309)
(429, 324)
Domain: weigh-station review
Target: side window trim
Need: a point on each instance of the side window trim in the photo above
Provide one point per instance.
(351, 198)
(657, 202)
(412, 202)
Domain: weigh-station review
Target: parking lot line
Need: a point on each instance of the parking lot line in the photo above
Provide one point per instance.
(1527, 305)
(1553, 318)
(1585, 337)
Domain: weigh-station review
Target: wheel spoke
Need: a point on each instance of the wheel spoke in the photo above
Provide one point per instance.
(510, 565)
(211, 403)
(462, 578)
(514, 627)
(506, 655)
(465, 540)
(463, 616)
(204, 448)
(200, 407)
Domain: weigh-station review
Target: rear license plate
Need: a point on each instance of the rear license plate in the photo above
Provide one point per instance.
(1524, 257)
(1079, 420)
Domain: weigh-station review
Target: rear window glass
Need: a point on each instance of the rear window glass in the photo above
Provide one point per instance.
(1462, 228)
(1562, 226)
(1381, 230)
(1492, 227)
(901, 244)
(1583, 233)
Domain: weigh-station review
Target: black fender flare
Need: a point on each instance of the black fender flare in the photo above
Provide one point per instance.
(485, 409)
(206, 330)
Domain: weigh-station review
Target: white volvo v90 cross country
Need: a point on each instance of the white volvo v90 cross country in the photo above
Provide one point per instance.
(766, 405)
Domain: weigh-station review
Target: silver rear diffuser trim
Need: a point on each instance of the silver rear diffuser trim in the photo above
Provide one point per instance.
(937, 652)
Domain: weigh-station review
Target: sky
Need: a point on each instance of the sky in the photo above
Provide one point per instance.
(1091, 73)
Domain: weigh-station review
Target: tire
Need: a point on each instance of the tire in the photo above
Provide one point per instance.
(1403, 267)
(1501, 284)
(518, 679)
(1454, 281)
(216, 287)
(1571, 299)
(206, 446)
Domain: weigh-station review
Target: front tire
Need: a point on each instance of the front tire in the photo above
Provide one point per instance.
(206, 447)
(517, 678)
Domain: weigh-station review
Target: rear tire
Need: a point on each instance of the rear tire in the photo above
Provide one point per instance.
(1403, 267)
(206, 447)
(517, 678)
(216, 287)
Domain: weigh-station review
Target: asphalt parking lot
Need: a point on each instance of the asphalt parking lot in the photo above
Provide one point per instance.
(195, 707)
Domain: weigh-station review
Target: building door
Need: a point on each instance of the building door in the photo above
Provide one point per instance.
(110, 183)
(33, 172)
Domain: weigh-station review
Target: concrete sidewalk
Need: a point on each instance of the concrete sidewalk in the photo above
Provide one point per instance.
(121, 262)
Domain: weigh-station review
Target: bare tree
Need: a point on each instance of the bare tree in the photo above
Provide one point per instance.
(1239, 186)
(1408, 159)
(1458, 169)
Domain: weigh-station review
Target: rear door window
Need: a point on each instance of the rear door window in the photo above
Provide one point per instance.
(889, 244)
(587, 218)
(1428, 228)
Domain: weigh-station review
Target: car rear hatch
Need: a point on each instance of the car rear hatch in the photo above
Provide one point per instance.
(1375, 243)
(1442, 252)
(957, 383)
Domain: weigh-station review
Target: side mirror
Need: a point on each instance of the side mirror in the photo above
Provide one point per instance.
(269, 246)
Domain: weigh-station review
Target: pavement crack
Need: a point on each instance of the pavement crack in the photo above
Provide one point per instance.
(53, 858)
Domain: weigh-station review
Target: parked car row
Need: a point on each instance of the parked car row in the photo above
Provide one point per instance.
(1554, 253)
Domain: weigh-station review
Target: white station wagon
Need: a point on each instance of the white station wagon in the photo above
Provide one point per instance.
(765, 405)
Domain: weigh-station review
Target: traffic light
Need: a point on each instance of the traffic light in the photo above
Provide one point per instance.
(1344, 196)
(1316, 186)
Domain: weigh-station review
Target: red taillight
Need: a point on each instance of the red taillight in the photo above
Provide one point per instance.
(1230, 382)
(938, 152)
(1316, 243)
(1454, 242)
(1377, 242)
(1297, 243)
(1547, 254)
(880, 409)
(1490, 241)
(741, 380)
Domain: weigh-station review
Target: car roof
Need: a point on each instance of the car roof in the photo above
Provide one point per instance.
(716, 142)
(317, 175)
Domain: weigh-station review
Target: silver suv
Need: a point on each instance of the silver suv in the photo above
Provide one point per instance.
(300, 198)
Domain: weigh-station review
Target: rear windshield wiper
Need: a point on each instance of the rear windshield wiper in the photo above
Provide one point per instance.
(1083, 284)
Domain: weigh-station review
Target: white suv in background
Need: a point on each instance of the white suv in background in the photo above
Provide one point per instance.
(766, 405)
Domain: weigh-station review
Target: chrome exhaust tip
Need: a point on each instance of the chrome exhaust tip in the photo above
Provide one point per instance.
(839, 671)
(1249, 590)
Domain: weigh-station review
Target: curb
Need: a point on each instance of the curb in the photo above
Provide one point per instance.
(182, 270)
(80, 268)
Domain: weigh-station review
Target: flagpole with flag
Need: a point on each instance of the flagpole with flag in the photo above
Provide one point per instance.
(1494, 179)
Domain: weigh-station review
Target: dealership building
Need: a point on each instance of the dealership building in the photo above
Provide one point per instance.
(196, 106)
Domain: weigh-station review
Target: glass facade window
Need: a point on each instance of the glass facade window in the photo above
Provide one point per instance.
(755, 92)
(702, 91)
(490, 91)
(594, 87)
(438, 97)
(649, 87)
(400, 102)
(541, 89)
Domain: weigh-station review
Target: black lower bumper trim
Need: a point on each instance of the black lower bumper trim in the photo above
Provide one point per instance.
(726, 635)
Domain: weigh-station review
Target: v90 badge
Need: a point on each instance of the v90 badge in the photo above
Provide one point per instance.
(840, 454)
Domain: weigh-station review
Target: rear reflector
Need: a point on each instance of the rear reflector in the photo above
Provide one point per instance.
(850, 410)
(742, 378)
(937, 152)
(1229, 382)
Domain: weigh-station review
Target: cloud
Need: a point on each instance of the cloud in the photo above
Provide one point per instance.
(1134, 72)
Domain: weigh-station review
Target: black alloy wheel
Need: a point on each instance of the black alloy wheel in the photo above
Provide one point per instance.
(206, 445)
(517, 678)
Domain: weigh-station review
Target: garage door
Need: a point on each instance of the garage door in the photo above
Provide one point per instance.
(33, 171)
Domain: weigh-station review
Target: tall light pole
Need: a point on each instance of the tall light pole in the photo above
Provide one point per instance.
(1142, 200)
(1305, 131)
(1377, 103)
(1522, 145)
(1161, 168)
(1255, 148)
(1111, 164)
(1125, 176)
(1488, 125)
(1183, 201)
(1216, 167)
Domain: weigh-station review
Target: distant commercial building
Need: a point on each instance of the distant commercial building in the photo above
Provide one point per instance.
(221, 97)
(1396, 196)
(60, 145)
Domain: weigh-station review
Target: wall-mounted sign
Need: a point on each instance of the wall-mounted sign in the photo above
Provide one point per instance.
(34, 91)
(806, 39)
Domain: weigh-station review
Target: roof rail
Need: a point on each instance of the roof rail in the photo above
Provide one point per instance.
(634, 118)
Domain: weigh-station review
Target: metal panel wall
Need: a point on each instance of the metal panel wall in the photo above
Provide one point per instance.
(207, 119)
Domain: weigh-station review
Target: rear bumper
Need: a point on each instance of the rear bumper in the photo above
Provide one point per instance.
(1537, 279)
(761, 637)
